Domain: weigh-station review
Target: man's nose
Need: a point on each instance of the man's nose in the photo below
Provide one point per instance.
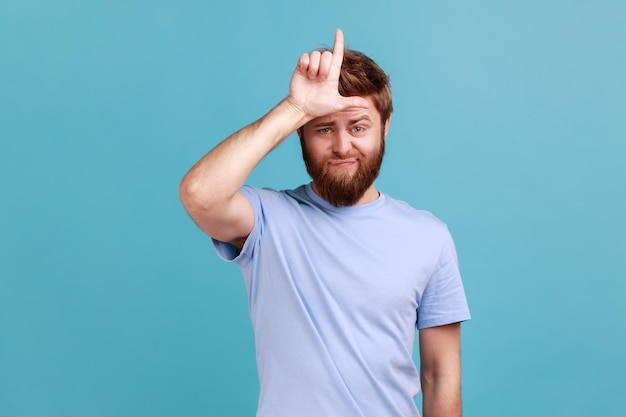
(342, 142)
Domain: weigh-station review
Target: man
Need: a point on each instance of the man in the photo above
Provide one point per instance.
(338, 275)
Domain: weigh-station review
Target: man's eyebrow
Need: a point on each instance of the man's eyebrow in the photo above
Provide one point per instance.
(323, 123)
(365, 117)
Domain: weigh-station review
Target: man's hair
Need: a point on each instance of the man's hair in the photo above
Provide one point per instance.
(361, 76)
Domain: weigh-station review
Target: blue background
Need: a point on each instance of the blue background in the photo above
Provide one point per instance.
(509, 125)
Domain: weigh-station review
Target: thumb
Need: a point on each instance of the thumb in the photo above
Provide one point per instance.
(355, 101)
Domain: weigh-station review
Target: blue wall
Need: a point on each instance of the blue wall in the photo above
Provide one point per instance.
(509, 125)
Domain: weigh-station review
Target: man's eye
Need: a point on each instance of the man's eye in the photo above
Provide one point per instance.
(325, 130)
(358, 129)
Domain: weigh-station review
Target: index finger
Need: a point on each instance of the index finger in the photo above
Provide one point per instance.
(338, 51)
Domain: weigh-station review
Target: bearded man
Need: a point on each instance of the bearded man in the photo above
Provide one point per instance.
(339, 275)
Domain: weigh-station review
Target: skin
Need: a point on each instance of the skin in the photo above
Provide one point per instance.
(343, 140)
(338, 131)
(440, 363)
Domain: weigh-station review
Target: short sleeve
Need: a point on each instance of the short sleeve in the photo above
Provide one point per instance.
(443, 300)
(227, 251)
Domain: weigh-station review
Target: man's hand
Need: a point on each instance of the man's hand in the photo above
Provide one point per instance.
(314, 87)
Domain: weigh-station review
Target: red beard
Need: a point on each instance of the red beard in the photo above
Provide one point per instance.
(344, 188)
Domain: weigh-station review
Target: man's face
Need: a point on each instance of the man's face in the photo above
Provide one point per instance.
(343, 153)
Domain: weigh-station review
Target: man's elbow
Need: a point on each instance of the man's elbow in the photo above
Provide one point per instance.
(188, 192)
(197, 196)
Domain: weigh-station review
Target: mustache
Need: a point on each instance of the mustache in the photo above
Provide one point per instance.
(349, 155)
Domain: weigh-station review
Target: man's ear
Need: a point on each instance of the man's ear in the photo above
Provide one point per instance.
(299, 131)
(387, 123)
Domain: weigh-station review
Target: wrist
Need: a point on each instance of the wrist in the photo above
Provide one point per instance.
(297, 110)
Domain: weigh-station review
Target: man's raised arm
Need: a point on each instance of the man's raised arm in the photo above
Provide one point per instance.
(210, 190)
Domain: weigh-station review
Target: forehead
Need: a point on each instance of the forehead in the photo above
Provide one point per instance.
(349, 115)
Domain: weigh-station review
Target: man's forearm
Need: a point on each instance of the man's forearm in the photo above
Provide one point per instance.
(221, 173)
(441, 398)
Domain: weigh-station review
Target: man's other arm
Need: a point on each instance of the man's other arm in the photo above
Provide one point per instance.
(440, 363)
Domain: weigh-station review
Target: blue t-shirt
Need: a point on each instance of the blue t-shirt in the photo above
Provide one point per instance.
(335, 297)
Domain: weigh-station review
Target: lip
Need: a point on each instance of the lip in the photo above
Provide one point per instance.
(342, 163)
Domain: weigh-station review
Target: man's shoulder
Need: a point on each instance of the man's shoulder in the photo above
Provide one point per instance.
(406, 210)
(272, 192)
(266, 195)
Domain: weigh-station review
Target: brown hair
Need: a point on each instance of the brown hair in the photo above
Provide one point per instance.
(361, 76)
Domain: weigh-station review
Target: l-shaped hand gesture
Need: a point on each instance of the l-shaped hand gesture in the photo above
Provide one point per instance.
(314, 87)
